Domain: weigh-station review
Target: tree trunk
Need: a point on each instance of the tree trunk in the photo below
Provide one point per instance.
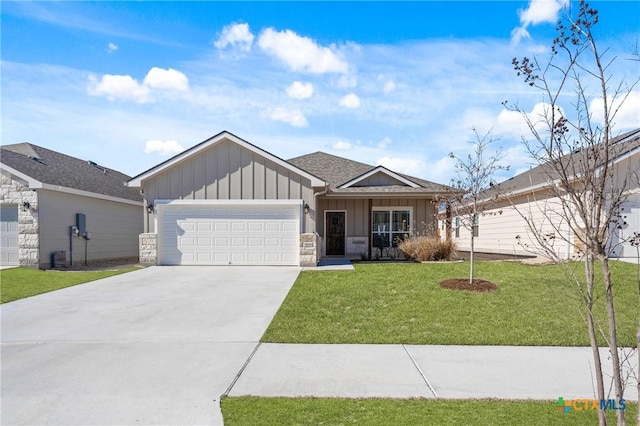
(638, 338)
(613, 336)
(593, 341)
(471, 258)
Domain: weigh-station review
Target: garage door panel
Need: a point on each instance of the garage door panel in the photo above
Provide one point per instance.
(221, 227)
(238, 227)
(209, 235)
(272, 227)
(255, 226)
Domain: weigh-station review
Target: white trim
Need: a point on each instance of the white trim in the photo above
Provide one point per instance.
(136, 182)
(324, 249)
(33, 183)
(91, 194)
(379, 169)
(295, 202)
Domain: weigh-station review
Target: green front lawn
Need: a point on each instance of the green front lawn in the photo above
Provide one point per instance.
(18, 283)
(256, 411)
(403, 303)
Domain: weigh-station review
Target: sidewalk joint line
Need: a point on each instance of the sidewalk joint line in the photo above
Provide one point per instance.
(433, 391)
(235, 379)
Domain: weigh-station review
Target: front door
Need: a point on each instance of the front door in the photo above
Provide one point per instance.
(335, 233)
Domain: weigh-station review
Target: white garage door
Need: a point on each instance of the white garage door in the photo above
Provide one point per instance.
(9, 236)
(226, 234)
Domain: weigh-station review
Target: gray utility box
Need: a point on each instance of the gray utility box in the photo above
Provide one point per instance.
(59, 259)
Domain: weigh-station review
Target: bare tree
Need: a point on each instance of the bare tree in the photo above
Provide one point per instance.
(575, 153)
(476, 174)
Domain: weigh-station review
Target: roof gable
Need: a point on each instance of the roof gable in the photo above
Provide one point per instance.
(379, 176)
(213, 141)
(344, 175)
(45, 168)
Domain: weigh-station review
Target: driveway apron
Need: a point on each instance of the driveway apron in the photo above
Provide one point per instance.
(155, 346)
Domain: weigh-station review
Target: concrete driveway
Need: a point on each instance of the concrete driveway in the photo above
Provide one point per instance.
(155, 346)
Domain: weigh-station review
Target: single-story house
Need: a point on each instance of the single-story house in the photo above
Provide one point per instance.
(226, 201)
(502, 228)
(54, 203)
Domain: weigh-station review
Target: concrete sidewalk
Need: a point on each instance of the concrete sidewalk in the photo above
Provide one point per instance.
(406, 371)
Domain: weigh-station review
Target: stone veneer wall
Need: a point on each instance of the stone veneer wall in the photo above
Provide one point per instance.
(357, 246)
(15, 192)
(148, 249)
(309, 249)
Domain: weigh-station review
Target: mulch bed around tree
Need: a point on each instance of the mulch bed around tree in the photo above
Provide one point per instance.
(463, 284)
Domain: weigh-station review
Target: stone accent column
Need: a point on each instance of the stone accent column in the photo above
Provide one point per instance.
(17, 192)
(309, 249)
(148, 249)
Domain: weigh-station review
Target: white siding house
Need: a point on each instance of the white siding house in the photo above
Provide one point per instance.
(527, 197)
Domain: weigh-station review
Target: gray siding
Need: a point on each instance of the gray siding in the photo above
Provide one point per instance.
(114, 226)
(379, 179)
(227, 171)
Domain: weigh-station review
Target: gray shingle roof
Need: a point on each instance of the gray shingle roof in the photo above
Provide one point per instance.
(58, 169)
(542, 174)
(338, 170)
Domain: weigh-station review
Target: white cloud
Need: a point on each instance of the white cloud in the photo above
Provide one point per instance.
(410, 166)
(166, 79)
(342, 146)
(293, 117)
(301, 53)
(299, 90)
(514, 123)
(125, 87)
(538, 12)
(384, 142)
(112, 47)
(626, 118)
(350, 101)
(389, 86)
(122, 87)
(168, 147)
(238, 36)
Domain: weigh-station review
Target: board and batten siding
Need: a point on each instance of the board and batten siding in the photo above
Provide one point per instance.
(378, 179)
(114, 227)
(228, 171)
(358, 210)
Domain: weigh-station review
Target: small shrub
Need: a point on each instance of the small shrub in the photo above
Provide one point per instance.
(423, 248)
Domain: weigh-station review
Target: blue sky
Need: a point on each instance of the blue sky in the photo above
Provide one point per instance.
(402, 84)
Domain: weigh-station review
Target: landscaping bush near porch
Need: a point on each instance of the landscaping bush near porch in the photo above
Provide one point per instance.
(424, 248)
(403, 303)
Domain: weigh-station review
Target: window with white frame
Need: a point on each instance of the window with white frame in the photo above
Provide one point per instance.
(390, 225)
(457, 227)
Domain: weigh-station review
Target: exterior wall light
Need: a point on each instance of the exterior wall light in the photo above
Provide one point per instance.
(306, 208)
(149, 208)
(25, 206)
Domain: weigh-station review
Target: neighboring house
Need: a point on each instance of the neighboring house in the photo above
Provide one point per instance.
(44, 194)
(528, 194)
(226, 201)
